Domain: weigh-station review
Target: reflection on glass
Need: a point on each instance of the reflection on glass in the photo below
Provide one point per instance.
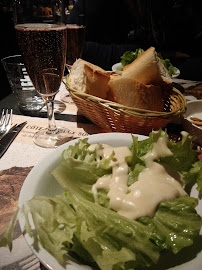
(42, 36)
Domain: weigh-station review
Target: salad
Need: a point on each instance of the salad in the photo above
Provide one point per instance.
(129, 56)
(83, 224)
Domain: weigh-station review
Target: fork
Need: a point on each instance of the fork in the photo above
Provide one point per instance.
(5, 122)
(29, 263)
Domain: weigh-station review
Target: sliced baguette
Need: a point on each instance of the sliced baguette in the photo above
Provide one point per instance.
(96, 81)
(77, 76)
(148, 69)
(131, 93)
(90, 79)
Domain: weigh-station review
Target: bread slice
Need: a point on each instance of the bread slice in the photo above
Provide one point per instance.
(131, 93)
(148, 69)
(90, 79)
(96, 81)
(77, 76)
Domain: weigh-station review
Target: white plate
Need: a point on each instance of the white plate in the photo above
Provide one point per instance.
(194, 109)
(41, 182)
(119, 67)
(176, 74)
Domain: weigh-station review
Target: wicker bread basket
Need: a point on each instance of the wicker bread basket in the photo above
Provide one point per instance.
(114, 117)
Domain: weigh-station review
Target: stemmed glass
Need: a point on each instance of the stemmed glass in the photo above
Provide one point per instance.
(42, 37)
(75, 43)
(75, 46)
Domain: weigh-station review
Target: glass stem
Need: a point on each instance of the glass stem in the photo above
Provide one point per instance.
(52, 129)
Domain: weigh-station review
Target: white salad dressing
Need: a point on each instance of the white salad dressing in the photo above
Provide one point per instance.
(184, 134)
(154, 183)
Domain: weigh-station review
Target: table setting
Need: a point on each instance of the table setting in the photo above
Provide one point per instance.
(17, 162)
(55, 212)
(22, 155)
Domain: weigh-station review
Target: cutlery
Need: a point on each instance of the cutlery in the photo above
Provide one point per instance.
(7, 139)
(5, 122)
(30, 262)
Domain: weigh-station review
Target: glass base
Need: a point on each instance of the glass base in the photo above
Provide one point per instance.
(66, 99)
(44, 138)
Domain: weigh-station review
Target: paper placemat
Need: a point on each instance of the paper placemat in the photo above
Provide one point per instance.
(63, 102)
(23, 152)
(21, 257)
(19, 159)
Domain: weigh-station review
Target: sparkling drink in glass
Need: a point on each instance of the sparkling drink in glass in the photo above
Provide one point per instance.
(75, 46)
(75, 42)
(42, 36)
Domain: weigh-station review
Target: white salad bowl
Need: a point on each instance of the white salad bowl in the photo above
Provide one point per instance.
(119, 67)
(194, 109)
(41, 182)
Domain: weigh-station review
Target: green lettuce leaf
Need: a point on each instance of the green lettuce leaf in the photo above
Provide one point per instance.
(74, 226)
(71, 227)
(184, 160)
(54, 223)
(129, 56)
(80, 169)
(183, 156)
(105, 234)
(170, 223)
(6, 237)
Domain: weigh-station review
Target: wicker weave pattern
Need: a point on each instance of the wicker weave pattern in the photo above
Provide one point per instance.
(114, 117)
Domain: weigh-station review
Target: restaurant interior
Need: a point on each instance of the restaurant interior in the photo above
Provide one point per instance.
(103, 146)
(174, 28)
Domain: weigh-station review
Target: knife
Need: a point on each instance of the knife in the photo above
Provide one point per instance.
(6, 141)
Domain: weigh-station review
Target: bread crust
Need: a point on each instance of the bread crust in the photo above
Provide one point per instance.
(96, 81)
(132, 93)
(89, 78)
(140, 85)
(76, 77)
(147, 69)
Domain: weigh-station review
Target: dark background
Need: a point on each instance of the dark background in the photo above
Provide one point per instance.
(8, 43)
(173, 27)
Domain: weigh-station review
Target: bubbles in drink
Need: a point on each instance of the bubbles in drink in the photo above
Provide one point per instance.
(75, 42)
(43, 47)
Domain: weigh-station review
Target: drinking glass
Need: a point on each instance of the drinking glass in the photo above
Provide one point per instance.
(42, 37)
(75, 45)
